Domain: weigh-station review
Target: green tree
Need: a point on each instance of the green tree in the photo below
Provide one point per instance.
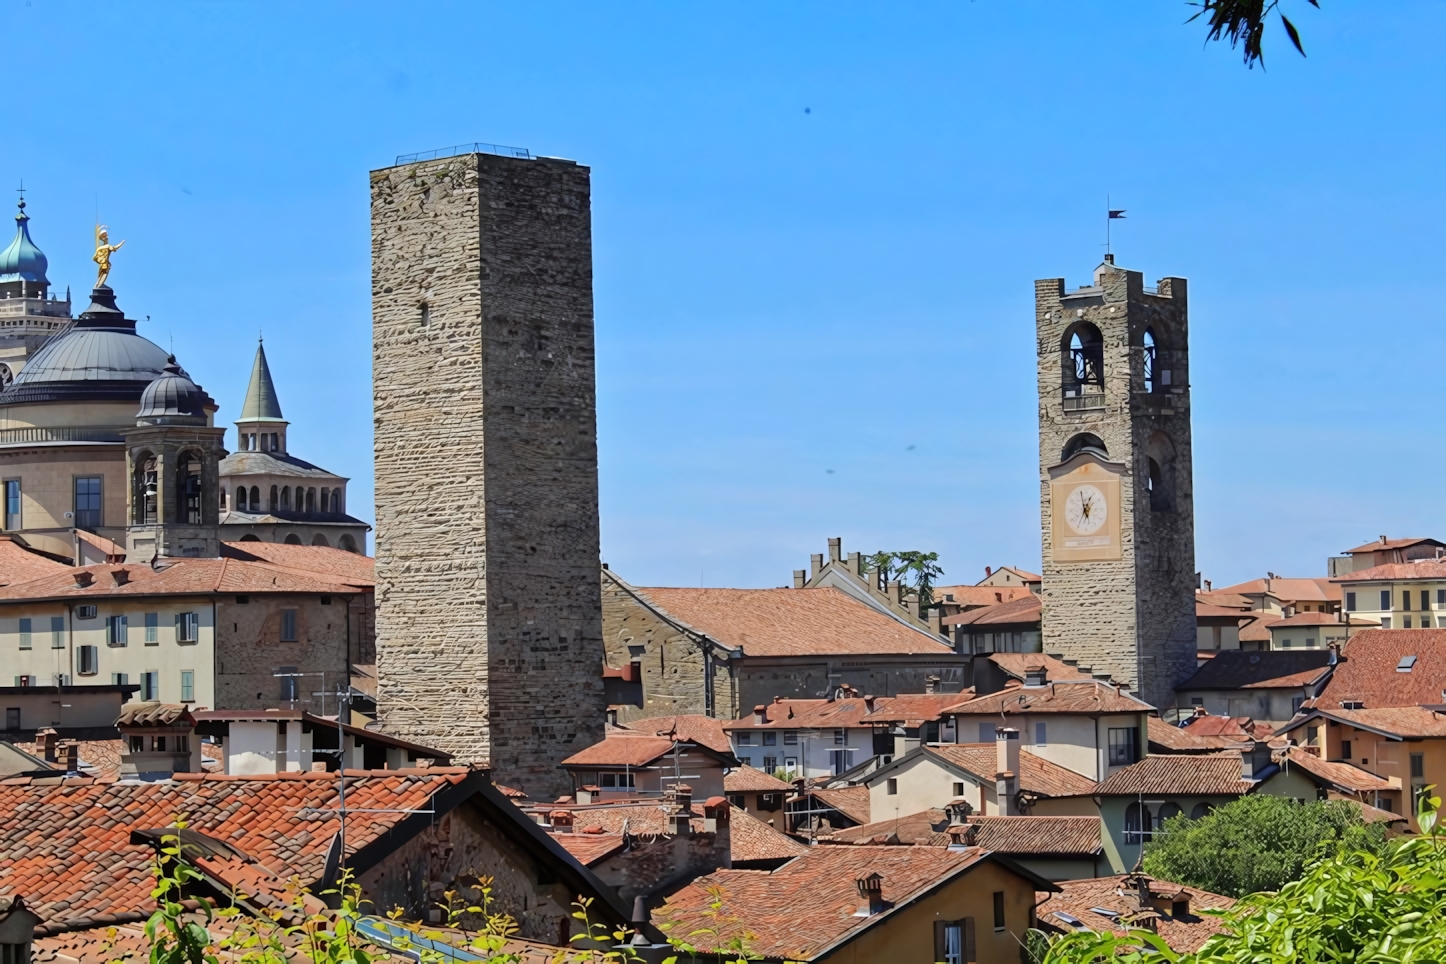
(1351, 905)
(916, 570)
(1242, 22)
(1257, 843)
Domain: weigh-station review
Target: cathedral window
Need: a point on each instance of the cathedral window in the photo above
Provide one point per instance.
(273, 502)
(88, 503)
(255, 498)
(240, 498)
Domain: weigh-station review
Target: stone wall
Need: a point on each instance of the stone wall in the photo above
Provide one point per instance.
(249, 650)
(489, 639)
(1135, 617)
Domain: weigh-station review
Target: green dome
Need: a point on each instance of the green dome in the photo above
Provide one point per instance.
(22, 260)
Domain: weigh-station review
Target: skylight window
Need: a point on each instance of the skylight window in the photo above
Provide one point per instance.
(1404, 666)
(1106, 912)
(1069, 919)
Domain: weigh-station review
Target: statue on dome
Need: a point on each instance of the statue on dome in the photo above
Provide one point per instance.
(103, 250)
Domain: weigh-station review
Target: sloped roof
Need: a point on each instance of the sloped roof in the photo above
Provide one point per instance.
(19, 564)
(792, 622)
(703, 730)
(65, 844)
(978, 595)
(1055, 669)
(805, 907)
(352, 568)
(1037, 775)
(1223, 600)
(1177, 739)
(1067, 696)
(750, 839)
(1397, 572)
(1232, 669)
(1343, 776)
(589, 848)
(1399, 721)
(853, 711)
(746, 779)
(622, 749)
(1079, 898)
(261, 401)
(1288, 589)
(1213, 774)
(1019, 612)
(1011, 836)
(1367, 669)
(852, 802)
(1382, 544)
(183, 577)
(1305, 619)
(1205, 610)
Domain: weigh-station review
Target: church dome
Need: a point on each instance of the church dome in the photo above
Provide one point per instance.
(22, 260)
(173, 395)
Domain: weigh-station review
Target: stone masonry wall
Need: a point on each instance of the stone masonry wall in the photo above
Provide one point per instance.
(489, 639)
(1133, 618)
(249, 651)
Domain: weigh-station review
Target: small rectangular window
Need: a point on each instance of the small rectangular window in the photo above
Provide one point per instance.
(1406, 600)
(188, 686)
(958, 789)
(115, 630)
(1345, 749)
(288, 629)
(57, 632)
(790, 738)
(1385, 600)
(770, 763)
(12, 504)
(1425, 602)
(893, 787)
(1418, 765)
(87, 660)
(12, 717)
(1350, 602)
(839, 737)
(1124, 745)
(153, 624)
(1385, 622)
(84, 612)
(999, 910)
(151, 686)
(744, 738)
(88, 503)
(158, 743)
(770, 739)
(25, 632)
(609, 780)
(137, 744)
(1041, 735)
(986, 732)
(187, 627)
(120, 679)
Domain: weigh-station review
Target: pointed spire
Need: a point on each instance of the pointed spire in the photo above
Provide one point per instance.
(261, 401)
(22, 260)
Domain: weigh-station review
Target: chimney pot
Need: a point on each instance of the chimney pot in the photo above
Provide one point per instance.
(868, 702)
(561, 821)
(871, 895)
(760, 714)
(835, 550)
(800, 578)
(988, 572)
(72, 758)
(49, 738)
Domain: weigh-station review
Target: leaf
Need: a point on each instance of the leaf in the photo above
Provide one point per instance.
(1292, 33)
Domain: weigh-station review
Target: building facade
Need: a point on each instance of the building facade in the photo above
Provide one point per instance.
(489, 638)
(1116, 498)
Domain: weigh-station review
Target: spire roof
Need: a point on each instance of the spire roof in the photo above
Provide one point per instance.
(261, 402)
(22, 260)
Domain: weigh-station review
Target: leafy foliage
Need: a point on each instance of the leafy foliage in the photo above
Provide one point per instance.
(1256, 843)
(1351, 905)
(920, 567)
(1242, 22)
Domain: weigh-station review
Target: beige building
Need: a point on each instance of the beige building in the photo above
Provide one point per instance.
(1397, 595)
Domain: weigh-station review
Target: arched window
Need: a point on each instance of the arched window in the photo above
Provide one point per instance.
(146, 491)
(293, 540)
(240, 498)
(1160, 472)
(1083, 367)
(347, 543)
(325, 499)
(1150, 357)
(1168, 810)
(1084, 442)
(188, 489)
(286, 497)
(223, 500)
(1137, 823)
(338, 504)
(311, 500)
(248, 537)
(255, 498)
(274, 446)
(1201, 810)
(319, 540)
(273, 503)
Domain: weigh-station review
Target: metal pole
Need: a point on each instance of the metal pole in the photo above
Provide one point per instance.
(343, 708)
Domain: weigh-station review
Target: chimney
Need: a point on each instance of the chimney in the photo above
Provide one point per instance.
(83, 579)
(964, 834)
(1109, 258)
(715, 812)
(856, 564)
(936, 621)
(868, 702)
(612, 716)
(1006, 743)
(835, 550)
(988, 572)
(800, 578)
(1201, 711)
(588, 793)
(816, 561)
(72, 758)
(561, 821)
(48, 738)
(760, 714)
(1207, 585)
(896, 592)
(871, 895)
(683, 795)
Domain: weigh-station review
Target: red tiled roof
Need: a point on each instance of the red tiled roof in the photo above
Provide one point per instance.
(978, 595)
(853, 711)
(589, 848)
(19, 564)
(1024, 574)
(1056, 669)
(1208, 611)
(1177, 739)
(852, 802)
(1022, 611)
(703, 730)
(1254, 631)
(1033, 836)
(1223, 600)
(1206, 726)
(1402, 721)
(1398, 572)
(97, 758)
(1037, 775)
(1067, 696)
(65, 845)
(806, 906)
(1367, 669)
(1305, 619)
(1383, 544)
(750, 839)
(1343, 775)
(746, 779)
(1289, 590)
(792, 622)
(1079, 898)
(323, 562)
(622, 749)
(1209, 774)
(184, 577)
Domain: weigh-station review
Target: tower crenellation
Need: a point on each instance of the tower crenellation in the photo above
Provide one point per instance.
(1117, 507)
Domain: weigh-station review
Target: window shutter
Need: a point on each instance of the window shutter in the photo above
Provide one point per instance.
(939, 941)
(969, 940)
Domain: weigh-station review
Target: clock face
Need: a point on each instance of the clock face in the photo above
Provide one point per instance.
(1085, 509)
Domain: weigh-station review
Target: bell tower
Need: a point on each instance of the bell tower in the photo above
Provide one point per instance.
(1116, 499)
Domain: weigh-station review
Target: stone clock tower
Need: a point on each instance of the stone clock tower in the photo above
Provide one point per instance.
(1116, 501)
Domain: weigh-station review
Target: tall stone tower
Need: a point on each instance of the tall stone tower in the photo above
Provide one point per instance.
(1116, 500)
(489, 607)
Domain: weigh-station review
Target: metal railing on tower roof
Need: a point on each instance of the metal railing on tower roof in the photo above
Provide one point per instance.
(476, 148)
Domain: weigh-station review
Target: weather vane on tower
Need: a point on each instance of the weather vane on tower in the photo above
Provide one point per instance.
(103, 250)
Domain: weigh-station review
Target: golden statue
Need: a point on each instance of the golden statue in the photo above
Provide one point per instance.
(103, 250)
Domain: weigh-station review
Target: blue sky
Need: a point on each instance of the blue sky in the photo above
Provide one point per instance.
(816, 231)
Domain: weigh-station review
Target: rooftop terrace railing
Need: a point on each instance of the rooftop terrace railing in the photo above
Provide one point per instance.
(477, 148)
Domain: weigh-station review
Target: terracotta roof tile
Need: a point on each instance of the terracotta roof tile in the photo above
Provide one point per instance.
(1066, 696)
(319, 561)
(1383, 544)
(589, 848)
(1176, 739)
(621, 748)
(853, 711)
(1019, 612)
(1402, 721)
(1289, 590)
(1367, 670)
(19, 564)
(746, 779)
(1056, 669)
(1344, 776)
(703, 730)
(1213, 774)
(792, 622)
(767, 906)
(1036, 775)
(978, 595)
(750, 839)
(852, 802)
(1079, 898)
(1011, 836)
(184, 577)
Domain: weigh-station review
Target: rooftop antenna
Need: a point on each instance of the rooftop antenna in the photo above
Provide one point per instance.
(1110, 215)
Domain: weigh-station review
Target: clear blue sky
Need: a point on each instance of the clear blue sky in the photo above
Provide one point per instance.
(816, 231)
